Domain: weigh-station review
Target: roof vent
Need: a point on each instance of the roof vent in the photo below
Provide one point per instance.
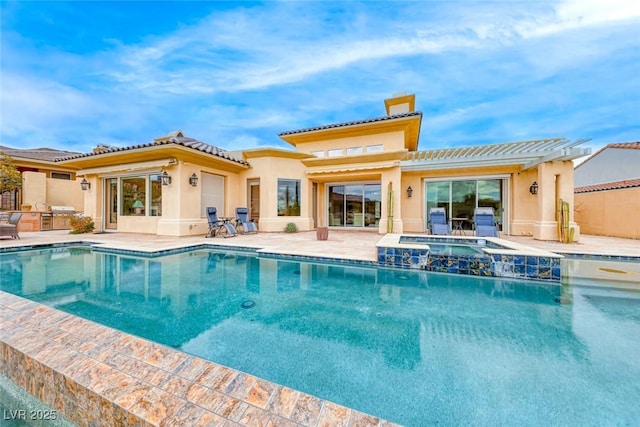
(174, 134)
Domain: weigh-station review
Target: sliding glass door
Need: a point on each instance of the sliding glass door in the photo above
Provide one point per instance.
(354, 205)
(460, 198)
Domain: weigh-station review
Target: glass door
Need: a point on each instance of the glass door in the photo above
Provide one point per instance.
(490, 195)
(460, 198)
(336, 205)
(254, 200)
(438, 196)
(111, 203)
(463, 203)
(372, 204)
(353, 201)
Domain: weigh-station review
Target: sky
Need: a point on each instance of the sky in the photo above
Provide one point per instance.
(235, 74)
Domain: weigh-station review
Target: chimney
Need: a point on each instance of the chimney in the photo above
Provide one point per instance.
(101, 148)
(400, 103)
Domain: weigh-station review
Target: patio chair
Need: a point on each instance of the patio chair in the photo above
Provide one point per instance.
(219, 226)
(10, 228)
(242, 219)
(438, 222)
(485, 222)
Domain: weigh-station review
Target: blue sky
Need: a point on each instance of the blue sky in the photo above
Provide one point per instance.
(235, 74)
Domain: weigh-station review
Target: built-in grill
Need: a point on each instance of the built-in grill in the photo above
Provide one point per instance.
(62, 217)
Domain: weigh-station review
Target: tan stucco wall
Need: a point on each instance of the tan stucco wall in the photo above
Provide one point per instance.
(42, 192)
(609, 213)
(61, 192)
(181, 202)
(391, 141)
(269, 170)
(555, 181)
(34, 189)
(523, 205)
(413, 208)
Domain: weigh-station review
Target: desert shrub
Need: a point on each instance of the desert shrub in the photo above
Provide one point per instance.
(81, 224)
(291, 228)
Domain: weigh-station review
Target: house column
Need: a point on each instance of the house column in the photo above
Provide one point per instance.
(555, 181)
(392, 176)
(545, 227)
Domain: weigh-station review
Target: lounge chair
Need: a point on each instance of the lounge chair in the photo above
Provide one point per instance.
(219, 227)
(10, 228)
(485, 222)
(438, 222)
(242, 219)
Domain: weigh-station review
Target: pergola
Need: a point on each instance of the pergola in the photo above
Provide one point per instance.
(526, 153)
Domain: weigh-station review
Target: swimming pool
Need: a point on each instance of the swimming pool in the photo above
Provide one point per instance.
(407, 345)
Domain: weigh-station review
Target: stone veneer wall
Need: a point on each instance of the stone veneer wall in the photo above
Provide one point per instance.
(97, 376)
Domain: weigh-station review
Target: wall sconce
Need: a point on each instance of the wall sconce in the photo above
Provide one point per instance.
(166, 179)
(84, 184)
(193, 180)
(534, 188)
(409, 191)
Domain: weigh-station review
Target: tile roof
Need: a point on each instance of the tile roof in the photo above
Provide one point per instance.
(631, 145)
(41, 154)
(357, 122)
(627, 183)
(178, 140)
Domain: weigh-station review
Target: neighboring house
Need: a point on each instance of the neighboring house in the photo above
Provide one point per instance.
(359, 175)
(38, 168)
(45, 183)
(607, 191)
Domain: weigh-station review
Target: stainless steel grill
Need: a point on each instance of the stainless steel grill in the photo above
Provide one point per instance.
(62, 217)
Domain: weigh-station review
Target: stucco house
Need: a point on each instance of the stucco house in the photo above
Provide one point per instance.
(360, 175)
(607, 191)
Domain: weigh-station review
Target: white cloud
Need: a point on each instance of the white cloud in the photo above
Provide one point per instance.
(479, 72)
(33, 103)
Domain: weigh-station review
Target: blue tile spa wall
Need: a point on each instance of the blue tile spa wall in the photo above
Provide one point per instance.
(497, 265)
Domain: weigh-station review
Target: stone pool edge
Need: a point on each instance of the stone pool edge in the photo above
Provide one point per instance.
(96, 375)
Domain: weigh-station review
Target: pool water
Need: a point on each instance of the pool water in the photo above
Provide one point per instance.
(410, 346)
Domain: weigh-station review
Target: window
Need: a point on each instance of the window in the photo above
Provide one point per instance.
(140, 196)
(61, 175)
(318, 153)
(354, 150)
(335, 152)
(156, 195)
(288, 197)
(134, 200)
(374, 148)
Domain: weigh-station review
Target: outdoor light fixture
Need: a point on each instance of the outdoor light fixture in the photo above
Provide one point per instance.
(166, 179)
(409, 191)
(534, 188)
(84, 184)
(193, 180)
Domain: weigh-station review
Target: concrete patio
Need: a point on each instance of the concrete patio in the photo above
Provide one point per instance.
(358, 245)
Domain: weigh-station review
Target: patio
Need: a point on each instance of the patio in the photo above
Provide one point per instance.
(357, 245)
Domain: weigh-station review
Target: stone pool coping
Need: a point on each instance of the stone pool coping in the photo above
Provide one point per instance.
(99, 376)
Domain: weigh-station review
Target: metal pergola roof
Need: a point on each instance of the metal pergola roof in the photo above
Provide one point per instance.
(526, 153)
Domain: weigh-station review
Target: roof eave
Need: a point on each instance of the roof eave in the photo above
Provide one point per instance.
(375, 126)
